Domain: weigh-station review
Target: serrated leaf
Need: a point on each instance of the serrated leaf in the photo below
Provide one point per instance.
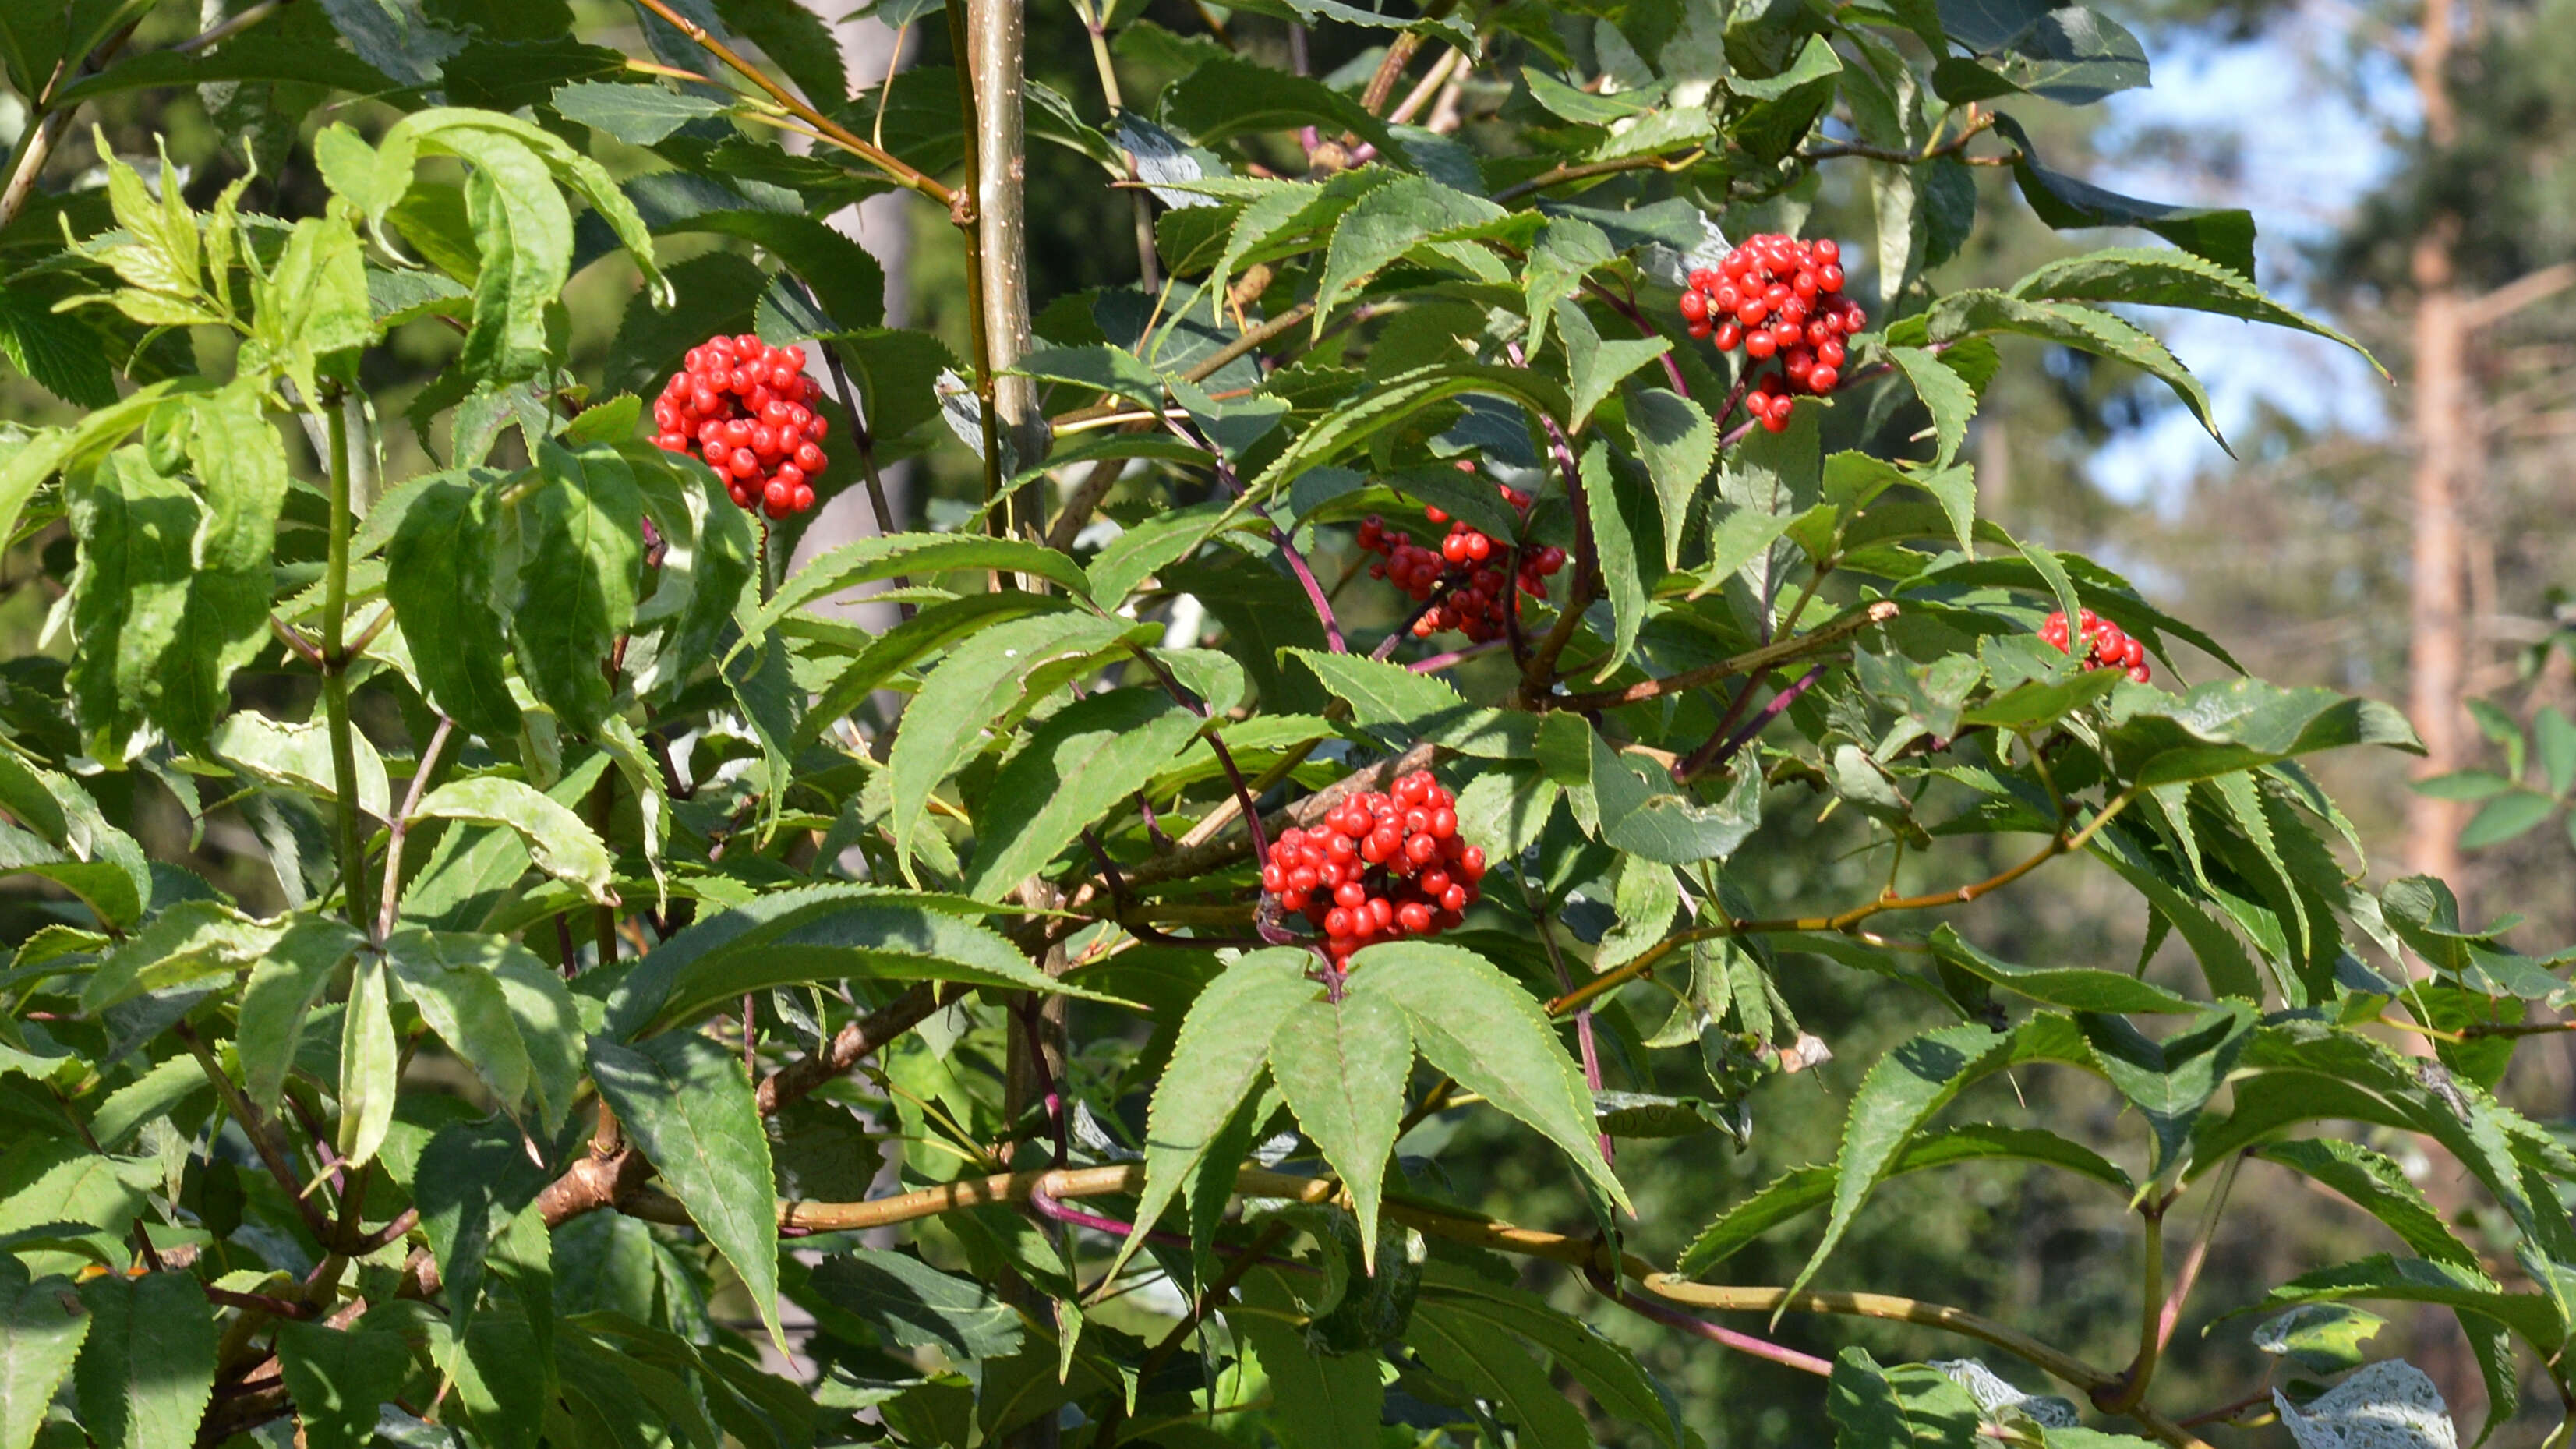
(1678, 443)
(2378, 1186)
(370, 1064)
(147, 1367)
(439, 568)
(1390, 697)
(1949, 398)
(913, 1305)
(1911, 1083)
(1216, 1061)
(1385, 224)
(2224, 236)
(472, 1179)
(284, 984)
(1593, 366)
(581, 561)
(1342, 1066)
(819, 933)
(2169, 279)
(1078, 765)
(1802, 1190)
(562, 845)
(41, 1327)
(2078, 988)
(1319, 1401)
(1908, 1407)
(2324, 1338)
(463, 1002)
(686, 1104)
(1478, 1025)
(340, 1380)
(639, 115)
(918, 555)
(977, 688)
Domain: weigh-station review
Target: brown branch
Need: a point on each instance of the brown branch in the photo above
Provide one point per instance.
(2058, 844)
(853, 1043)
(896, 170)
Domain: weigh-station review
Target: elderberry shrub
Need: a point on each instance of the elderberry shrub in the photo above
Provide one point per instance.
(1381, 866)
(1777, 296)
(2105, 645)
(745, 407)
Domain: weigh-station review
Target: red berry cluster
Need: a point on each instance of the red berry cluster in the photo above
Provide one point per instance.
(1775, 295)
(1472, 564)
(1380, 866)
(743, 405)
(2105, 646)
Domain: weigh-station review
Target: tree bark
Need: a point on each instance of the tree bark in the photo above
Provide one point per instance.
(998, 33)
(2437, 642)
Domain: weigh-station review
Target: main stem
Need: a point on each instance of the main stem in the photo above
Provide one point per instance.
(335, 670)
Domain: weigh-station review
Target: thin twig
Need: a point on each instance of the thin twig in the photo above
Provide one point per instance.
(400, 826)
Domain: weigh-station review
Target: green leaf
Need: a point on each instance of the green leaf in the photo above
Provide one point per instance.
(41, 1328)
(370, 1064)
(2240, 724)
(1478, 1025)
(1342, 1066)
(1802, 1190)
(187, 943)
(1610, 1373)
(1385, 224)
(845, 277)
(1594, 367)
(1076, 767)
(639, 115)
(1644, 813)
(1318, 1401)
(439, 578)
(581, 560)
(340, 1380)
(935, 627)
(473, 1178)
(2168, 279)
(1398, 397)
(918, 556)
(147, 1368)
(1148, 547)
(685, 1102)
(2323, 1338)
(2070, 324)
(2078, 988)
(819, 933)
(1401, 704)
(1678, 444)
(463, 1002)
(285, 983)
(2169, 1082)
(1495, 1369)
(1231, 96)
(1947, 395)
(2555, 735)
(978, 687)
(562, 845)
(2377, 1186)
(912, 1305)
(2417, 1280)
(2223, 236)
(2506, 817)
(1906, 1087)
(1623, 533)
(1216, 1061)
(1907, 1407)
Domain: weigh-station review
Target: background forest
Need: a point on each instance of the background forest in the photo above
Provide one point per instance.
(2414, 172)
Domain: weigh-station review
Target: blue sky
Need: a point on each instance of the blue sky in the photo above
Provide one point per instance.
(2307, 144)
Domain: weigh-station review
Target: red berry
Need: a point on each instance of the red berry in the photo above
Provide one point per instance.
(1694, 306)
(1824, 379)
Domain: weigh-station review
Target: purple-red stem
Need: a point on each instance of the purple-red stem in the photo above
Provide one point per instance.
(1438, 662)
(1728, 745)
(1296, 561)
(1746, 1343)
